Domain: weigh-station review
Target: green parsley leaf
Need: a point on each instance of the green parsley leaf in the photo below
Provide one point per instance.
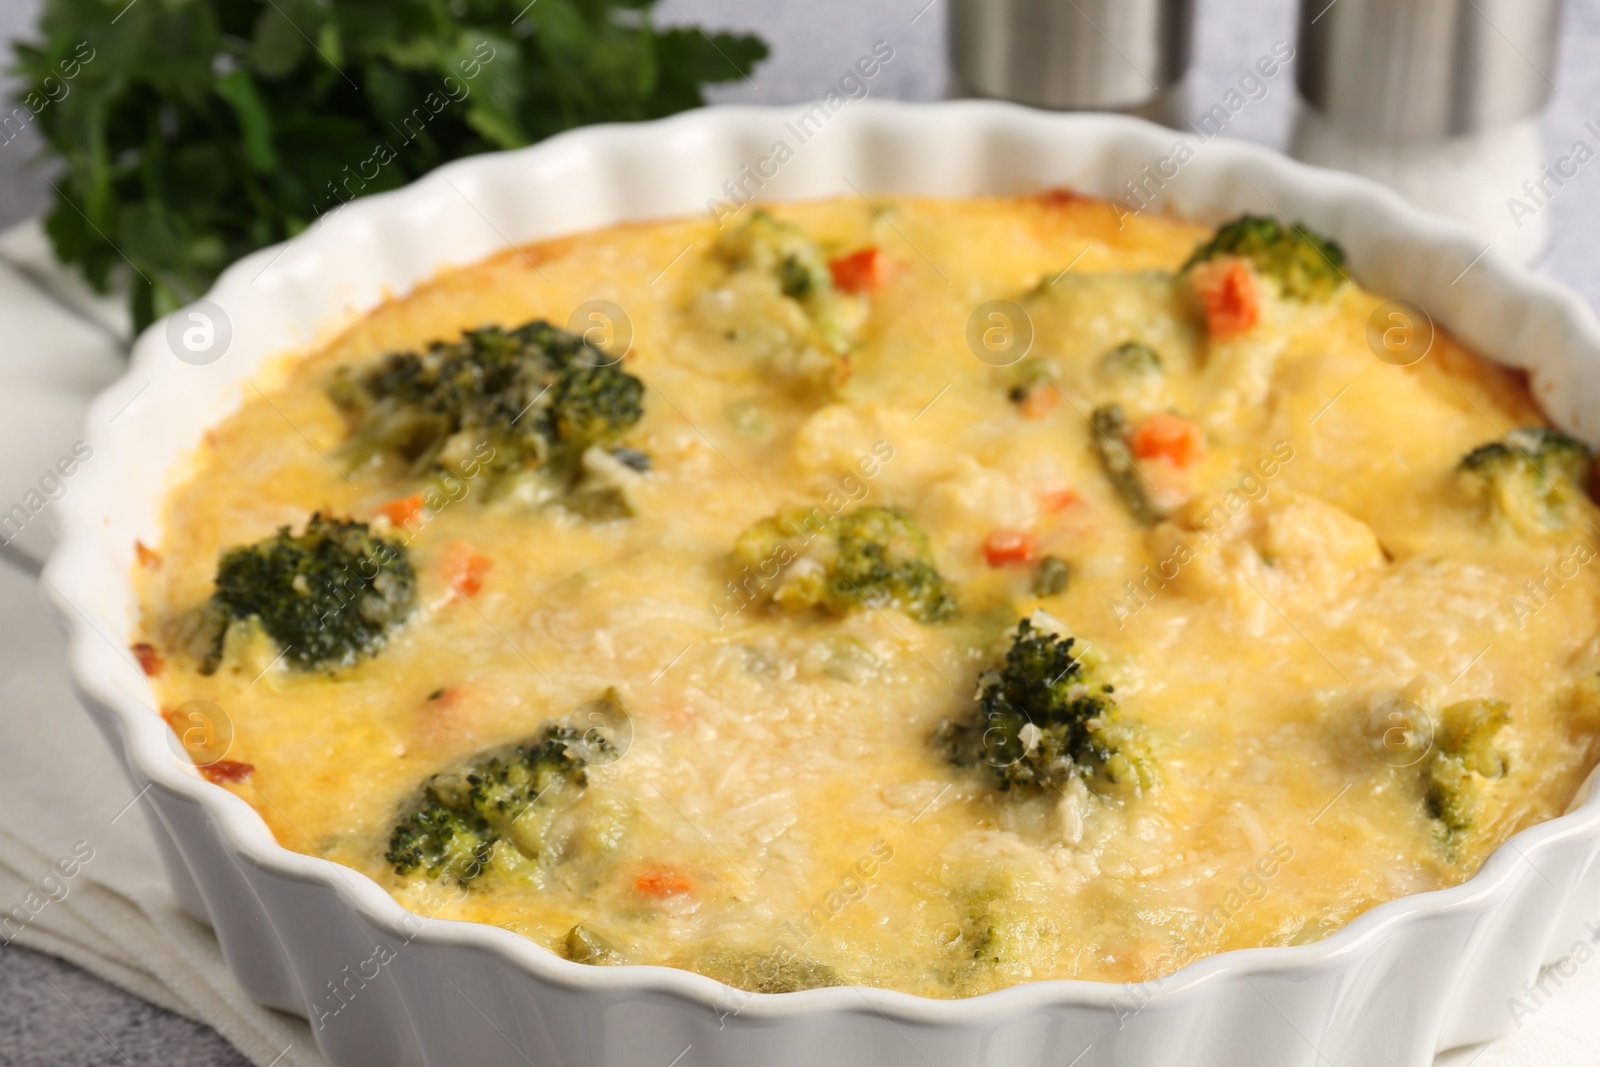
(191, 132)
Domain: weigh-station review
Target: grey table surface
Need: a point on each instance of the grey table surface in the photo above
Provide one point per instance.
(53, 1013)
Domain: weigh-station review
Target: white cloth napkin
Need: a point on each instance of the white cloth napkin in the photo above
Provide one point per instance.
(65, 806)
(64, 801)
(63, 797)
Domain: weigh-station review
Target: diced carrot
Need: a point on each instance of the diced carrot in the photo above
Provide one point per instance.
(1009, 546)
(464, 568)
(148, 557)
(402, 511)
(446, 715)
(149, 659)
(1231, 296)
(1058, 499)
(1173, 438)
(860, 272)
(1040, 401)
(227, 770)
(661, 881)
(1061, 195)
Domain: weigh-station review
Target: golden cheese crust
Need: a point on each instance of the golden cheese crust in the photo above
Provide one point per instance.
(781, 816)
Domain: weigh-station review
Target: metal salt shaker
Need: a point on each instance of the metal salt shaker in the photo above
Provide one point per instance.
(1113, 55)
(1440, 99)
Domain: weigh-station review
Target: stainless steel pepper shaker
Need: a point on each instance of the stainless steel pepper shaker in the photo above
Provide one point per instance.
(1116, 55)
(1440, 99)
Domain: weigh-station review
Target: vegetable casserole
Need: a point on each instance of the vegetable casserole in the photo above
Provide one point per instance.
(934, 595)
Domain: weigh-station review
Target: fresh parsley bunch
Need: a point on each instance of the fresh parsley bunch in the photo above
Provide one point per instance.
(194, 131)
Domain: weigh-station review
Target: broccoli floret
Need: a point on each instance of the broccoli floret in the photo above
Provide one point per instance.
(1109, 435)
(1467, 732)
(1042, 719)
(871, 556)
(445, 839)
(765, 244)
(1530, 479)
(496, 810)
(1307, 266)
(1132, 359)
(1463, 758)
(995, 930)
(762, 243)
(327, 596)
(510, 400)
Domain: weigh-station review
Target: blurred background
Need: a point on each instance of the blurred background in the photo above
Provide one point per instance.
(52, 1013)
(811, 45)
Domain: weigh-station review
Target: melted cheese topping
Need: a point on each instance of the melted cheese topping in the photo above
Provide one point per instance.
(779, 798)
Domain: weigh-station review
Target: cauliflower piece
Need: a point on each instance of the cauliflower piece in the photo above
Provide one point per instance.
(971, 496)
(840, 439)
(1290, 547)
(770, 329)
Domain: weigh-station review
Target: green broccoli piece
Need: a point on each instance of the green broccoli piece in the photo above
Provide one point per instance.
(764, 244)
(583, 945)
(1042, 719)
(1132, 359)
(497, 810)
(1109, 435)
(507, 400)
(447, 840)
(868, 557)
(995, 930)
(777, 971)
(1307, 266)
(844, 659)
(1050, 578)
(1463, 758)
(1530, 479)
(1031, 374)
(327, 596)
(883, 557)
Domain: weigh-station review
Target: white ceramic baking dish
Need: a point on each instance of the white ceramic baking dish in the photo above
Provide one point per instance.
(382, 986)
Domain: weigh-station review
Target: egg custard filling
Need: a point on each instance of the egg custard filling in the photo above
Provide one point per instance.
(935, 595)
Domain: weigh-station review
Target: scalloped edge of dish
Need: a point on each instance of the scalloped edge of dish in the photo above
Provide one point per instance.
(1411, 976)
